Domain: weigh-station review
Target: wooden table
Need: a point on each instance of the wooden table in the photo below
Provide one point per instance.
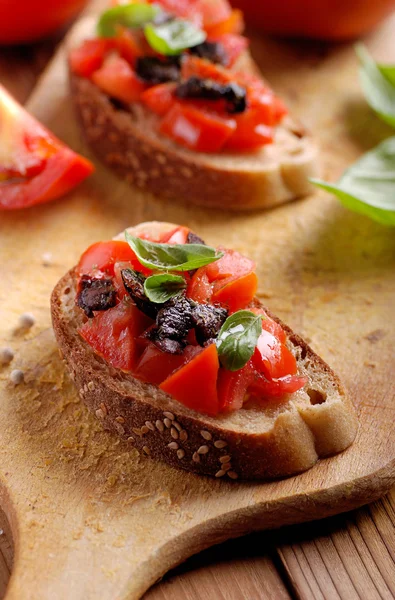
(350, 556)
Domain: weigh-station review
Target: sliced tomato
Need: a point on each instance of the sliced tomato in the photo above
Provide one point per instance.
(272, 358)
(103, 256)
(232, 264)
(117, 79)
(199, 288)
(89, 56)
(263, 388)
(178, 235)
(127, 45)
(195, 384)
(233, 385)
(112, 334)
(155, 366)
(35, 166)
(233, 24)
(250, 133)
(233, 44)
(197, 129)
(214, 12)
(159, 98)
(236, 294)
(269, 325)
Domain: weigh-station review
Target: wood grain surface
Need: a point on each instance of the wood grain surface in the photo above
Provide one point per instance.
(349, 556)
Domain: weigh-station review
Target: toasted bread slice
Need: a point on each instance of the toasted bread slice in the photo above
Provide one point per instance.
(129, 142)
(274, 439)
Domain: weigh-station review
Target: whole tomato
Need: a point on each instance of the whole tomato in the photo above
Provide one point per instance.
(30, 20)
(321, 19)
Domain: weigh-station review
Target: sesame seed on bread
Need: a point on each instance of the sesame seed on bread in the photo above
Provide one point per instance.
(262, 440)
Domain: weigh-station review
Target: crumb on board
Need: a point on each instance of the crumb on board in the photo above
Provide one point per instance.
(6, 355)
(17, 376)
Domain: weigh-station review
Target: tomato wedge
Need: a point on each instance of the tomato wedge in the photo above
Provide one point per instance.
(112, 334)
(214, 12)
(235, 294)
(195, 384)
(233, 24)
(233, 385)
(272, 357)
(103, 255)
(159, 98)
(117, 79)
(199, 287)
(155, 366)
(178, 235)
(127, 45)
(89, 56)
(35, 167)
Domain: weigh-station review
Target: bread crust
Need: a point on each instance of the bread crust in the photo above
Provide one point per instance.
(158, 426)
(127, 141)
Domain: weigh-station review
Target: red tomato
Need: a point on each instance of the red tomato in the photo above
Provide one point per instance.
(112, 334)
(159, 98)
(117, 79)
(231, 265)
(269, 325)
(272, 358)
(28, 21)
(103, 256)
(233, 385)
(89, 56)
(236, 294)
(155, 366)
(250, 133)
(35, 166)
(199, 288)
(195, 384)
(197, 129)
(192, 66)
(185, 9)
(127, 45)
(262, 388)
(178, 235)
(233, 44)
(118, 281)
(214, 12)
(233, 24)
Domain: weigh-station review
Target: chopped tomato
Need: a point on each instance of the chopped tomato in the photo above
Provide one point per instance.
(262, 388)
(269, 325)
(195, 384)
(127, 45)
(231, 265)
(233, 24)
(272, 357)
(178, 235)
(89, 56)
(103, 256)
(159, 98)
(117, 79)
(155, 366)
(192, 66)
(233, 385)
(214, 12)
(112, 334)
(185, 9)
(197, 129)
(233, 44)
(250, 133)
(199, 287)
(236, 294)
(35, 166)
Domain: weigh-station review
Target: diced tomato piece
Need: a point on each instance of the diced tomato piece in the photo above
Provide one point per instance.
(269, 325)
(199, 287)
(236, 294)
(262, 388)
(192, 66)
(155, 366)
(233, 44)
(214, 12)
(127, 45)
(232, 264)
(178, 235)
(195, 384)
(112, 334)
(117, 79)
(159, 98)
(272, 358)
(185, 9)
(89, 56)
(250, 133)
(233, 385)
(233, 24)
(103, 256)
(197, 129)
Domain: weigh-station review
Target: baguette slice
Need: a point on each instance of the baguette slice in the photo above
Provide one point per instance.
(128, 141)
(273, 439)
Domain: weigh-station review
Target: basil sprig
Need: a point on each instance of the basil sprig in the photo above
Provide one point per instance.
(169, 257)
(129, 15)
(160, 288)
(174, 36)
(378, 84)
(238, 338)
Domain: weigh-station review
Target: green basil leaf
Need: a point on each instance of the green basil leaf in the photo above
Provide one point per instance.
(368, 186)
(128, 15)
(168, 257)
(238, 338)
(173, 36)
(160, 288)
(378, 84)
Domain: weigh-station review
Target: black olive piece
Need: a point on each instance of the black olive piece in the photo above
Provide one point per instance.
(174, 319)
(170, 346)
(234, 95)
(207, 320)
(158, 70)
(212, 51)
(192, 238)
(134, 285)
(95, 294)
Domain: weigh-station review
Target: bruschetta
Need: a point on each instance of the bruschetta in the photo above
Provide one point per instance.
(170, 348)
(169, 96)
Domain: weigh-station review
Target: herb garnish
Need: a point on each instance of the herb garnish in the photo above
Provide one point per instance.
(160, 288)
(238, 338)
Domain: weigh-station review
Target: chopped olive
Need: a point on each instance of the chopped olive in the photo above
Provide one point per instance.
(192, 238)
(208, 320)
(174, 320)
(234, 95)
(95, 294)
(134, 285)
(158, 70)
(212, 51)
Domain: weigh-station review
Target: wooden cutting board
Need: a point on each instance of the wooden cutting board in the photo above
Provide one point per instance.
(91, 518)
